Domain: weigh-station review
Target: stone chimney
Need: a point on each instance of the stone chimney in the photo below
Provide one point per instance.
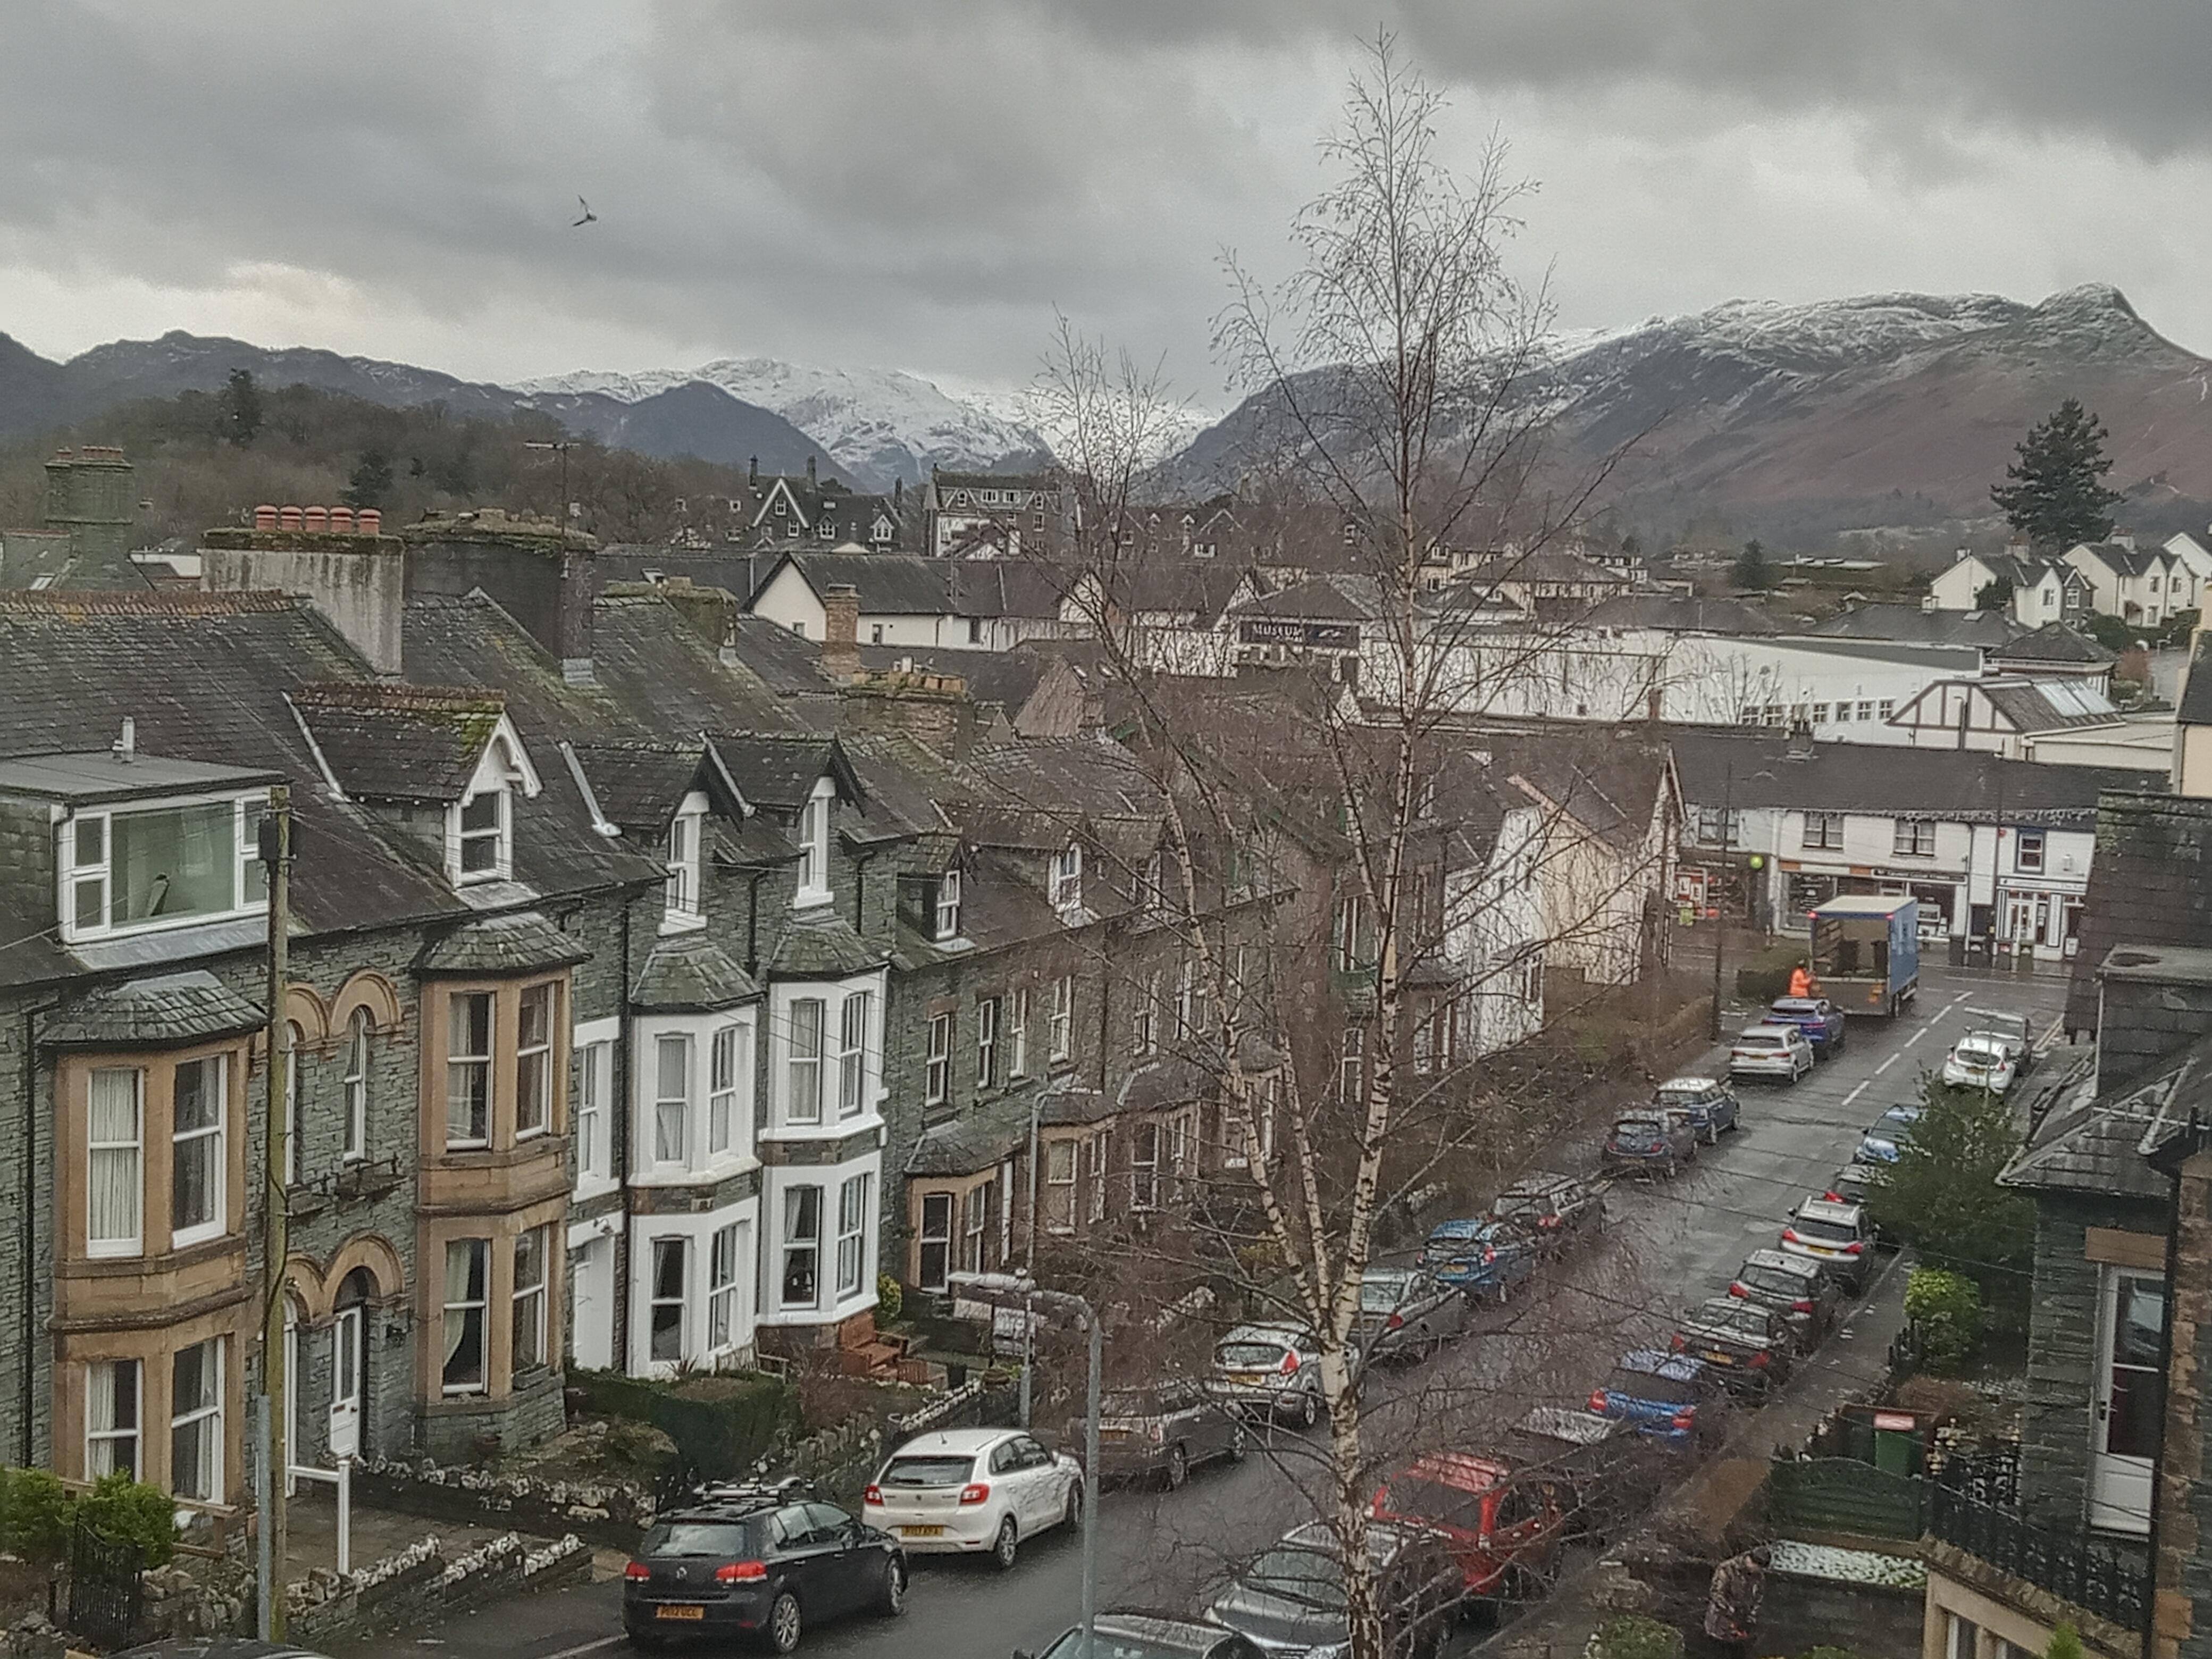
(840, 631)
(91, 497)
(810, 471)
(752, 469)
(934, 710)
(539, 571)
(356, 577)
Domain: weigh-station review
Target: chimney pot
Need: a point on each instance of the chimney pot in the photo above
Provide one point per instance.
(810, 470)
(126, 745)
(370, 522)
(287, 518)
(841, 631)
(317, 519)
(264, 517)
(342, 521)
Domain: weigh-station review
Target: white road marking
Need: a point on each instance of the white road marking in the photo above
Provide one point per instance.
(1856, 1092)
(1914, 1038)
(1885, 1065)
(587, 1647)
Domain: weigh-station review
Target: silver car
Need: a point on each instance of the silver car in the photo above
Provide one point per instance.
(1405, 1314)
(1268, 1370)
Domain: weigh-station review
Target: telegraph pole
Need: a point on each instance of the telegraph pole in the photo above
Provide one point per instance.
(276, 850)
(1720, 910)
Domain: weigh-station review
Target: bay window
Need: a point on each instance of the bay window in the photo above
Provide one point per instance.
(528, 1301)
(671, 1098)
(467, 1294)
(199, 1167)
(468, 1069)
(803, 1098)
(196, 1422)
(852, 1053)
(533, 1062)
(802, 1246)
(115, 1188)
(111, 1418)
(852, 1234)
(933, 1252)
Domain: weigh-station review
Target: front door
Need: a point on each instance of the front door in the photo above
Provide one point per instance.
(2130, 1400)
(2019, 919)
(346, 1357)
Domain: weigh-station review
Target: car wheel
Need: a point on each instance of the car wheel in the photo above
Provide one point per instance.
(784, 1624)
(1308, 1408)
(1237, 1446)
(1178, 1470)
(891, 1601)
(1006, 1546)
(1071, 1516)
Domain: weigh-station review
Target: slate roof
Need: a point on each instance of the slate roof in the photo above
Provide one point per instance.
(779, 769)
(1315, 600)
(2122, 559)
(167, 1011)
(1910, 624)
(638, 785)
(2195, 708)
(399, 743)
(1682, 613)
(2053, 642)
(2100, 1146)
(888, 584)
(732, 571)
(1544, 566)
(688, 973)
(2150, 883)
(819, 945)
(966, 1145)
(1878, 778)
(2032, 706)
(665, 677)
(514, 942)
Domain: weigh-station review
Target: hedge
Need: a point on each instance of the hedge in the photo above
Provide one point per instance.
(722, 1422)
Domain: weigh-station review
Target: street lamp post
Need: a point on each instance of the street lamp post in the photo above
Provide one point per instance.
(1019, 1289)
(1029, 1261)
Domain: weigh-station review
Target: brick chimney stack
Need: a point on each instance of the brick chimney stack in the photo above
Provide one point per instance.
(841, 631)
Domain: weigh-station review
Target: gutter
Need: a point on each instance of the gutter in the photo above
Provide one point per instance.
(28, 1228)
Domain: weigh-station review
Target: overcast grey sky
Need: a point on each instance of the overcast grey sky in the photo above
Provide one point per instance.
(918, 183)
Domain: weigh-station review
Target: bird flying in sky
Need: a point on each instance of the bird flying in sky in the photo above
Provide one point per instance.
(589, 218)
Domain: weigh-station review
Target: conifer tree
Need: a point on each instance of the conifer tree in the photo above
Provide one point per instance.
(2057, 496)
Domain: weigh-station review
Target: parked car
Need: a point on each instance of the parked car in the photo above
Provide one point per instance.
(1407, 1314)
(1652, 1140)
(2010, 1030)
(1674, 1398)
(1747, 1343)
(973, 1492)
(1835, 1234)
(1770, 1052)
(1558, 1211)
(1976, 1061)
(1484, 1261)
(1162, 1430)
(1794, 1286)
(1136, 1634)
(764, 1565)
(1856, 1180)
(1268, 1370)
(1291, 1601)
(1819, 1019)
(1884, 1137)
(1713, 1110)
(1505, 1528)
(1612, 1473)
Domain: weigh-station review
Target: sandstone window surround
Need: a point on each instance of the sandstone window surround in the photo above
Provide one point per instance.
(149, 865)
(490, 1299)
(496, 1067)
(153, 1160)
(950, 1227)
(165, 1405)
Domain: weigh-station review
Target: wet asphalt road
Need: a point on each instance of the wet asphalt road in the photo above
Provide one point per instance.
(1671, 1244)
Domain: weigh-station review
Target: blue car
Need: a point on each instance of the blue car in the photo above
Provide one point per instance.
(1486, 1260)
(1819, 1019)
(1886, 1134)
(1672, 1398)
(1713, 1109)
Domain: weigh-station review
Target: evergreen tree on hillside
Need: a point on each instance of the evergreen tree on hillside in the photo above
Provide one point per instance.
(1754, 574)
(372, 480)
(2056, 497)
(241, 408)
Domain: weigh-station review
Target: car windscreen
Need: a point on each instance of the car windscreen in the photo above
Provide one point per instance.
(1106, 1646)
(1823, 1232)
(1381, 1295)
(1730, 1315)
(924, 1470)
(1759, 1040)
(729, 1541)
(1309, 1577)
(1974, 1052)
(1685, 1099)
(1417, 1497)
(1249, 1356)
(1643, 1385)
(1775, 1281)
(1516, 1204)
(1637, 1134)
(1129, 1402)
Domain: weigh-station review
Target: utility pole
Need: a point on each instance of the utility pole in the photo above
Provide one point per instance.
(270, 1417)
(1720, 910)
(560, 446)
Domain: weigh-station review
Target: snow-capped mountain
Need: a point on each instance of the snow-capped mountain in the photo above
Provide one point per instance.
(1879, 409)
(877, 423)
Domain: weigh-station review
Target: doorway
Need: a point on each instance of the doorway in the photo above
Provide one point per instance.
(349, 1365)
(2130, 1400)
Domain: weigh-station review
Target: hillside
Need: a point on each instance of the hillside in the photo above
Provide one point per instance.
(686, 418)
(1885, 408)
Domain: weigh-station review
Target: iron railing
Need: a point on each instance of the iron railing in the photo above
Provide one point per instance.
(2094, 1578)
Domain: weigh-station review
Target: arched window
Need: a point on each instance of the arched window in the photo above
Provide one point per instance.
(356, 1085)
(295, 1107)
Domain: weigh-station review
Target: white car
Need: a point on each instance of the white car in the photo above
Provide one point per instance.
(1981, 1061)
(973, 1492)
(1771, 1051)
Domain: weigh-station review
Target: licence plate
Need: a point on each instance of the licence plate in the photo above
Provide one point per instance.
(1714, 1356)
(680, 1612)
(921, 1532)
(1113, 1434)
(1247, 1379)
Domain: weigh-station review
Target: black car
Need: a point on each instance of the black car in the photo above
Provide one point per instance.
(1140, 1635)
(1558, 1212)
(1292, 1597)
(1749, 1345)
(764, 1565)
(1796, 1286)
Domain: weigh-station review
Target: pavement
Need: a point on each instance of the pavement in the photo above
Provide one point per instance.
(1671, 1244)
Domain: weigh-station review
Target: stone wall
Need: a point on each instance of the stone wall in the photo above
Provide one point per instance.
(609, 1512)
(423, 1586)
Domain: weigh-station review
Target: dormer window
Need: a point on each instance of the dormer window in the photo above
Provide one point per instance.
(814, 845)
(480, 828)
(1067, 878)
(486, 834)
(948, 906)
(129, 869)
(686, 835)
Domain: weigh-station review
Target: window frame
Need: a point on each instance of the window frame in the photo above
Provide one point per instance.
(855, 1015)
(354, 1086)
(1144, 1019)
(723, 1280)
(1060, 1189)
(1905, 835)
(2021, 840)
(977, 1207)
(528, 1302)
(1066, 878)
(70, 871)
(683, 897)
(726, 1072)
(937, 1060)
(677, 1247)
(113, 1435)
(500, 833)
(987, 1042)
(814, 888)
(1018, 1033)
(218, 1168)
(664, 1043)
(541, 996)
(1061, 1032)
(480, 1065)
(1147, 1145)
(928, 1235)
(589, 1119)
(117, 1247)
(1829, 838)
(797, 1246)
(803, 1062)
(480, 1304)
(852, 1230)
(207, 1420)
(946, 911)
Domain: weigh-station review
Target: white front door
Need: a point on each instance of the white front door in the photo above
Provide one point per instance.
(346, 1383)
(591, 1286)
(2130, 1400)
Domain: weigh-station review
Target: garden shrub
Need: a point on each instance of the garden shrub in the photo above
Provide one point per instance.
(890, 1299)
(131, 1511)
(2065, 1643)
(35, 1517)
(1632, 1636)
(1947, 1310)
(722, 1422)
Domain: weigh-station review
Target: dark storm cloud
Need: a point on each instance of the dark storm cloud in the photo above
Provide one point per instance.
(916, 181)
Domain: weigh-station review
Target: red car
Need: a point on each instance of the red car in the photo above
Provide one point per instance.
(1504, 1527)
